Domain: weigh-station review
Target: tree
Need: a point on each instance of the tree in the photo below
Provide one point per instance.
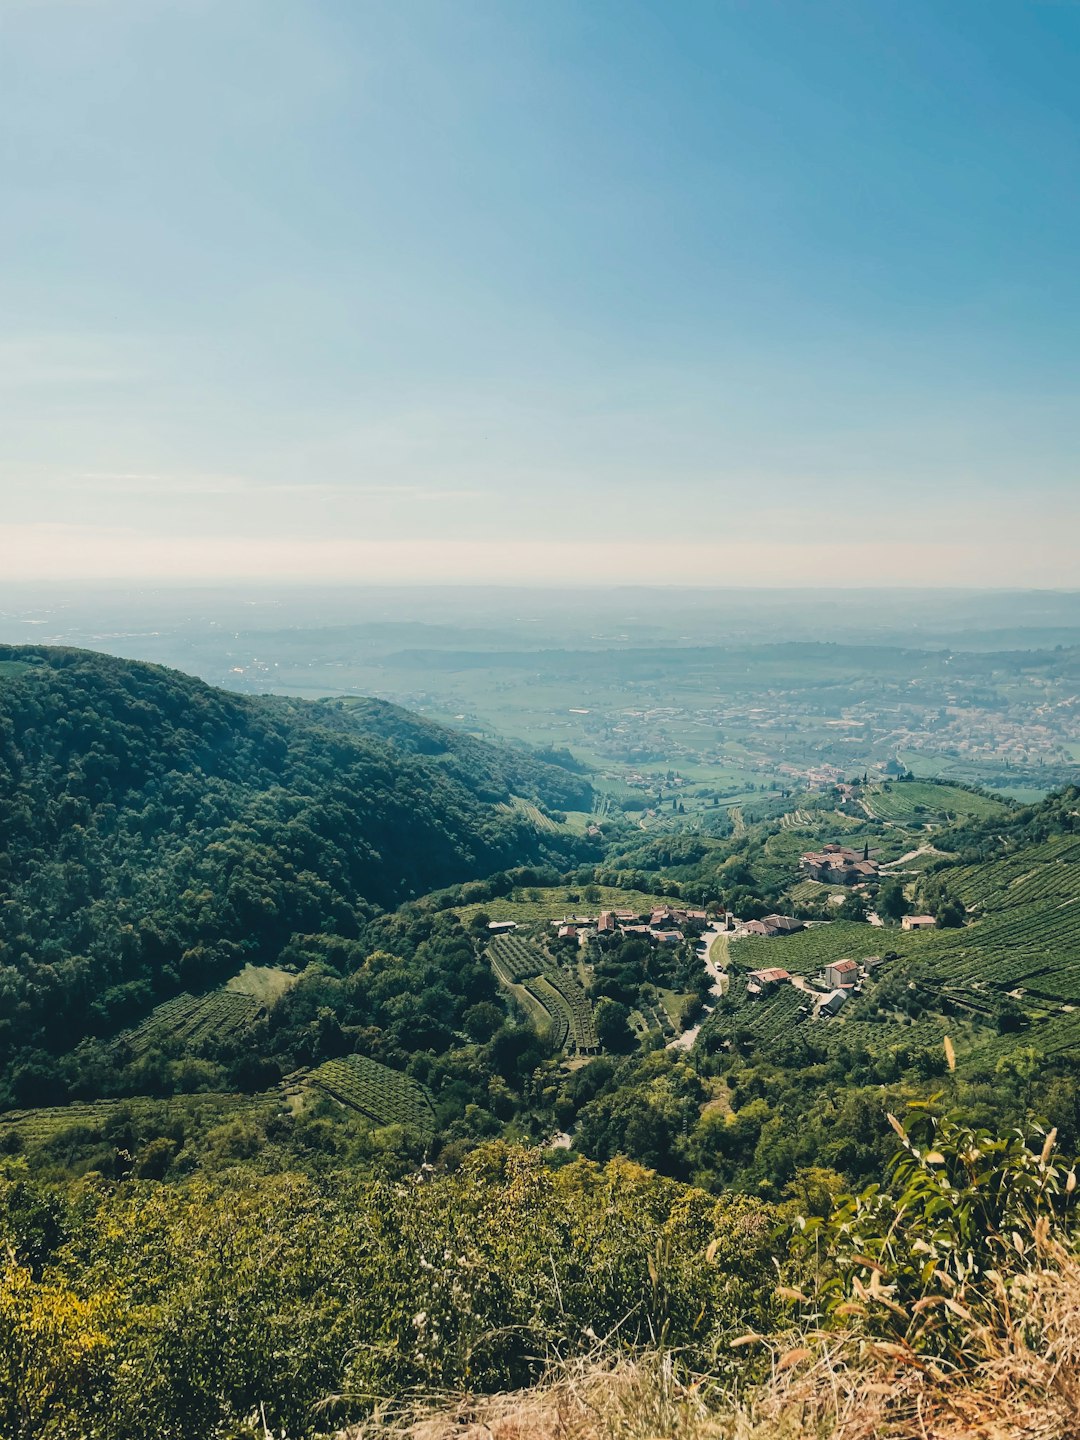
(853, 907)
(949, 914)
(613, 1026)
(891, 901)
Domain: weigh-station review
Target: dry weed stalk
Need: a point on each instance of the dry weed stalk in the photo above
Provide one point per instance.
(1024, 1385)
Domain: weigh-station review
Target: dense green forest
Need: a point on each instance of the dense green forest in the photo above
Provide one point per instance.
(157, 834)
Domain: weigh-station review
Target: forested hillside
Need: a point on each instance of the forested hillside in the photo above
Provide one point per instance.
(157, 834)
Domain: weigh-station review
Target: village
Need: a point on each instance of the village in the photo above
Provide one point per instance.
(826, 993)
(667, 926)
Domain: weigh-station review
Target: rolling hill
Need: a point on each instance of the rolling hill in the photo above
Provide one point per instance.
(157, 834)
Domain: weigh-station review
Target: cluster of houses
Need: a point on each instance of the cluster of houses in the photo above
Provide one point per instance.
(839, 978)
(664, 926)
(838, 865)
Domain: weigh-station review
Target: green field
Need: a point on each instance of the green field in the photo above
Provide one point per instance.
(553, 901)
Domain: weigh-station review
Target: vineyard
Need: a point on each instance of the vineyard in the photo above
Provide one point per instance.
(798, 820)
(911, 802)
(519, 962)
(385, 1096)
(90, 1119)
(1022, 940)
(528, 811)
(768, 1018)
(1046, 872)
(191, 1021)
(807, 891)
(515, 959)
(1026, 934)
(808, 951)
(739, 1018)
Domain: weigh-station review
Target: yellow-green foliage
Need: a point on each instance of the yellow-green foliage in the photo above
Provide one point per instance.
(174, 1311)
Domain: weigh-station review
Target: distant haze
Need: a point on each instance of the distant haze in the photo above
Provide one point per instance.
(453, 291)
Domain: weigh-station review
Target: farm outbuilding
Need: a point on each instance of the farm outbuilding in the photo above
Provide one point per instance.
(918, 922)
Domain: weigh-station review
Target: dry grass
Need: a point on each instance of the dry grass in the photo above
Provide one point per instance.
(1021, 1381)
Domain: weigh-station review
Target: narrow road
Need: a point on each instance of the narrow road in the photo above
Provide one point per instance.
(719, 983)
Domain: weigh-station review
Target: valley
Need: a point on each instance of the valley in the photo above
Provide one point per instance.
(331, 966)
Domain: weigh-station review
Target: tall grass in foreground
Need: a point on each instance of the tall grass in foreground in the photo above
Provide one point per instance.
(942, 1306)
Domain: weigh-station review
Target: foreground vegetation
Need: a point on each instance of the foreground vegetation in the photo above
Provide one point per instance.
(249, 1305)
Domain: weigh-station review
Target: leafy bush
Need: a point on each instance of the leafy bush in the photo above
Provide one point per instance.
(927, 1261)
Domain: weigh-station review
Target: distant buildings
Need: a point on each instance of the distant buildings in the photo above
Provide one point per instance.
(501, 927)
(837, 865)
(774, 925)
(663, 926)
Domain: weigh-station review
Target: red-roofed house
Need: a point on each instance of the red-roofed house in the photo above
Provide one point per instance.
(759, 980)
(841, 974)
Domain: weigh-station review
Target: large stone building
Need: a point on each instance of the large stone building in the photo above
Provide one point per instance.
(838, 865)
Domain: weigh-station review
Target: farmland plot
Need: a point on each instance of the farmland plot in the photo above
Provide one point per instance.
(191, 1021)
(520, 962)
(806, 952)
(911, 802)
(90, 1118)
(385, 1096)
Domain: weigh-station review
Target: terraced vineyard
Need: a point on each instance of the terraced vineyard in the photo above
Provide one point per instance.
(775, 1017)
(191, 1020)
(1022, 939)
(1046, 872)
(797, 820)
(520, 962)
(582, 1028)
(40, 1127)
(1025, 932)
(558, 1013)
(515, 959)
(767, 1018)
(385, 1096)
(916, 802)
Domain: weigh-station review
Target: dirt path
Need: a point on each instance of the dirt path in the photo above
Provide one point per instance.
(911, 855)
(715, 939)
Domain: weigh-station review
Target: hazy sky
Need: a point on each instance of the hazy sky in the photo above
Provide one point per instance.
(744, 291)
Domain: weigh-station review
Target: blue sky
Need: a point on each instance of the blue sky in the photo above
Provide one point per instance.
(748, 291)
